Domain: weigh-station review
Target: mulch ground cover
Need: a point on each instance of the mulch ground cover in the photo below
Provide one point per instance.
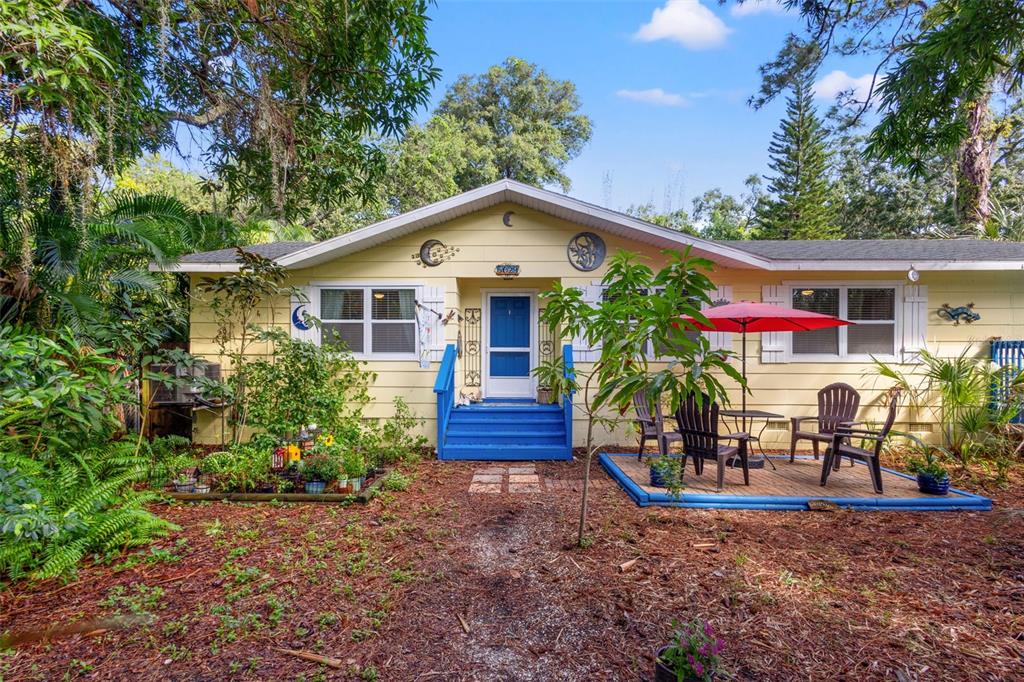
(436, 583)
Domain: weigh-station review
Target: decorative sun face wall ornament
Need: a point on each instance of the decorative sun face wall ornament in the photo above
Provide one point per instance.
(433, 252)
(586, 251)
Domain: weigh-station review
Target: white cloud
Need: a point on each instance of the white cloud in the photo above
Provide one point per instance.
(749, 8)
(687, 22)
(837, 81)
(655, 96)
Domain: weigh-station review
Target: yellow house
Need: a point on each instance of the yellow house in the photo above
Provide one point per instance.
(463, 277)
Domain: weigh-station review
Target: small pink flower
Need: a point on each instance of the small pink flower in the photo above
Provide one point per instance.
(698, 669)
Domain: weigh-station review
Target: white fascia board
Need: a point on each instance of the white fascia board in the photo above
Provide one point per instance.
(896, 265)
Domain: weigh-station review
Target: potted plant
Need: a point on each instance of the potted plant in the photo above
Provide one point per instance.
(355, 468)
(692, 654)
(184, 484)
(932, 477)
(666, 472)
(551, 381)
(318, 470)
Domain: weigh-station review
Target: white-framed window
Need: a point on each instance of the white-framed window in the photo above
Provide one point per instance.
(371, 321)
(873, 308)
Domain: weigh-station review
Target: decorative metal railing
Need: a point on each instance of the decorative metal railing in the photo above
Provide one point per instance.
(472, 348)
(444, 388)
(1007, 354)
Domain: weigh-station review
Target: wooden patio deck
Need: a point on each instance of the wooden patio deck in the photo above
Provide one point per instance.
(789, 487)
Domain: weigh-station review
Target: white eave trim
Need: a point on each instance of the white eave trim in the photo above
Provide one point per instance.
(531, 197)
(195, 267)
(895, 265)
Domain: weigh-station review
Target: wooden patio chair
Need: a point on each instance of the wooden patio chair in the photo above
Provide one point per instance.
(653, 426)
(698, 425)
(837, 406)
(842, 447)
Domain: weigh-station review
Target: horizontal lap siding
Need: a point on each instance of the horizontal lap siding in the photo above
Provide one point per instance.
(537, 243)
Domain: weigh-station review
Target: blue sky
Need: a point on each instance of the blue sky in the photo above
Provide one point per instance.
(665, 84)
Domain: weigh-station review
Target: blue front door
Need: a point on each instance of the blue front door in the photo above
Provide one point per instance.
(509, 343)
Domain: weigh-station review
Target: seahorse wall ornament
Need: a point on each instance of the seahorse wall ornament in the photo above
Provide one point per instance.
(964, 313)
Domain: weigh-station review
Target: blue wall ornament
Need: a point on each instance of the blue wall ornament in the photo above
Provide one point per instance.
(299, 319)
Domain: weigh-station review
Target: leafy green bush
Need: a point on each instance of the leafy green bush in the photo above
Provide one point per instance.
(240, 468)
(68, 483)
(302, 384)
(73, 505)
(395, 439)
(168, 456)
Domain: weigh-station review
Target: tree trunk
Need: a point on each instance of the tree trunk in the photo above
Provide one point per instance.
(974, 169)
(586, 482)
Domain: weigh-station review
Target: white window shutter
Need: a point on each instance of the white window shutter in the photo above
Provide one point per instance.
(773, 344)
(719, 341)
(302, 304)
(581, 350)
(915, 322)
(433, 301)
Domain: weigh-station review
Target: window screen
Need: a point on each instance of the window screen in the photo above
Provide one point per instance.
(819, 341)
(368, 321)
(394, 321)
(874, 312)
(342, 304)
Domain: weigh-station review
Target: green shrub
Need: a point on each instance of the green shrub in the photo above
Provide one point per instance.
(68, 483)
(395, 440)
(240, 468)
(302, 383)
(168, 456)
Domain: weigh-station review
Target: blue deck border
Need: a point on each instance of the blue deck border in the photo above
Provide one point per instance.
(956, 500)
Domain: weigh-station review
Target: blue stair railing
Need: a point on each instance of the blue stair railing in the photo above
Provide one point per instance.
(444, 388)
(569, 371)
(1007, 354)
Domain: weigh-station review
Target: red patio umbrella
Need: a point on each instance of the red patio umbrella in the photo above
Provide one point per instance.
(744, 316)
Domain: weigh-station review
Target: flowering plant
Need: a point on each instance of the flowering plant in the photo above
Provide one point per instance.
(317, 467)
(693, 651)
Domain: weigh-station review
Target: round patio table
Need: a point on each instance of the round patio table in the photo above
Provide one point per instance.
(752, 416)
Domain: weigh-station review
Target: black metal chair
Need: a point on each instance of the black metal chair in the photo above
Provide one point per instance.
(842, 447)
(698, 425)
(837, 406)
(653, 425)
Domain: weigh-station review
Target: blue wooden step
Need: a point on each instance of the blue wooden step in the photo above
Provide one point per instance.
(506, 437)
(470, 423)
(502, 452)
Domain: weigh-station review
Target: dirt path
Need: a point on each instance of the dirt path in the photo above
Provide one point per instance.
(391, 590)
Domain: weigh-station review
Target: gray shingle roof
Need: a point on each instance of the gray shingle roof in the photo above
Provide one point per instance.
(884, 249)
(275, 250)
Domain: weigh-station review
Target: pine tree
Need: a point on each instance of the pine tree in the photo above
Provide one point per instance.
(798, 203)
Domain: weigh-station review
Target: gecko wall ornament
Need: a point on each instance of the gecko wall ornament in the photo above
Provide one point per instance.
(963, 313)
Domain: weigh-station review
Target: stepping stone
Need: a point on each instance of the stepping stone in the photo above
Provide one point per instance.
(522, 470)
(524, 488)
(490, 470)
(523, 478)
(485, 488)
(487, 478)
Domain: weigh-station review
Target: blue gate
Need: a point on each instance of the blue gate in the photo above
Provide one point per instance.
(1007, 354)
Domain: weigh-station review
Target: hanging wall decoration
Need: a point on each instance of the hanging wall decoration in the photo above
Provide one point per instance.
(963, 313)
(507, 270)
(586, 251)
(433, 252)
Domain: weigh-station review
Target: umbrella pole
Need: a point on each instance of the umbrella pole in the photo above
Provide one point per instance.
(744, 373)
